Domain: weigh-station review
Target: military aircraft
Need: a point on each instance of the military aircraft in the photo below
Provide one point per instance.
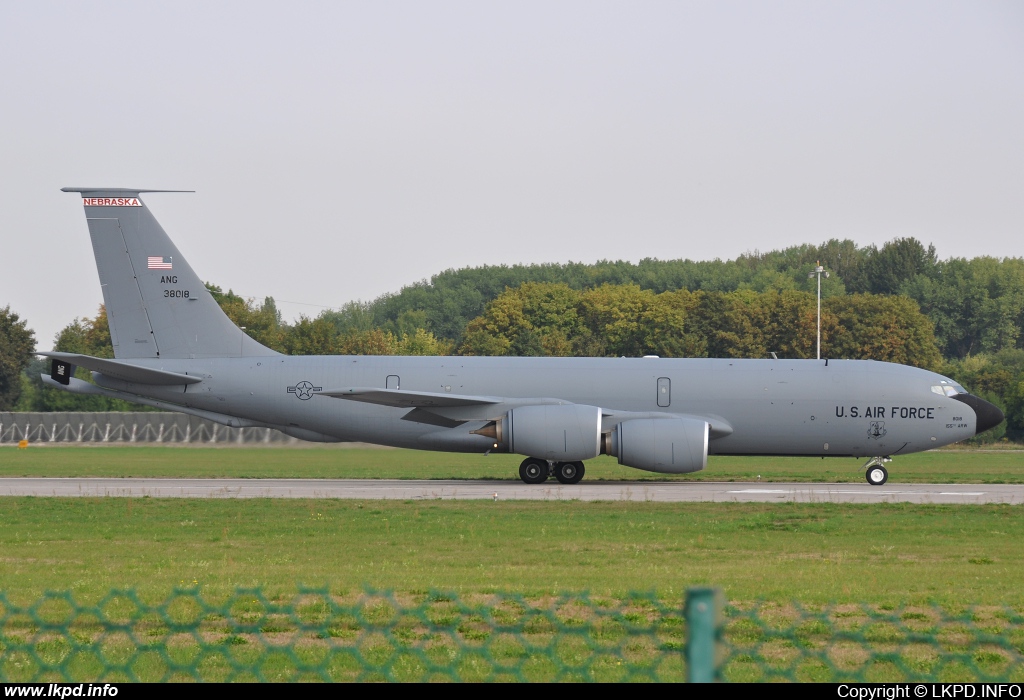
(175, 349)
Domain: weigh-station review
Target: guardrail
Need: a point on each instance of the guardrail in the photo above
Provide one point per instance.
(129, 427)
(388, 636)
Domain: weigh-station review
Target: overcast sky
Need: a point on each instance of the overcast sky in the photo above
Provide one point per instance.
(342, 150)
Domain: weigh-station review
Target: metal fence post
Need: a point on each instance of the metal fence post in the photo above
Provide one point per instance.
(703, 630)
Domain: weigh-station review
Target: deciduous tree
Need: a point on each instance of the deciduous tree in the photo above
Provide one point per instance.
(17, 343)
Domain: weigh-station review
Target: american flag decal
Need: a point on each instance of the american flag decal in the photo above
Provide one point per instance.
(156, 262)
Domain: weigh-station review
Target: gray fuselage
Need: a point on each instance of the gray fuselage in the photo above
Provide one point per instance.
(777, 407)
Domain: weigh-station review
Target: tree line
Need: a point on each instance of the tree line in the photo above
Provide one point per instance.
(898, 303)
(975, 305)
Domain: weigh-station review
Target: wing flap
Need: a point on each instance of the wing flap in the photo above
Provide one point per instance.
(422, 415)
(124, 371)
(399, 398)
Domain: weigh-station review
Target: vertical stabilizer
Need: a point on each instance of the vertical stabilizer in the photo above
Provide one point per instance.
(156, 305)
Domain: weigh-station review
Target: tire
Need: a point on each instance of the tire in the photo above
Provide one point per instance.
(533, 471)
(877, 476)
(569, 472)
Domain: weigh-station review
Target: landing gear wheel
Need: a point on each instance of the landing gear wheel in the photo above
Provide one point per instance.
(533, 471)
(877, 475)
(569, 472)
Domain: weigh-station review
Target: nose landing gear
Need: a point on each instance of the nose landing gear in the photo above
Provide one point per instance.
(877, 474)
(537, 471)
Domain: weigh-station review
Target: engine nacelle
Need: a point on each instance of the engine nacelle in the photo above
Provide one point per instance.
(666, 445)
(559, 433)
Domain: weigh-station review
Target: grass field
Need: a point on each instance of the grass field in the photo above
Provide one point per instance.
(809, 552)
(886, 557)
(941, 466)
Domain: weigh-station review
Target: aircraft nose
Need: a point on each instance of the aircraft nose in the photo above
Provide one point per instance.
(989, 416)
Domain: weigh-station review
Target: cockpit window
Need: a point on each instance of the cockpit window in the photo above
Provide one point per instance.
(947, 387)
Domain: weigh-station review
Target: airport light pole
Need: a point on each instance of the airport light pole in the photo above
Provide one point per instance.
(818, 271)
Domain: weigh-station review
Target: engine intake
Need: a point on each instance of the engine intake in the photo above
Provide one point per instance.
(665, 445)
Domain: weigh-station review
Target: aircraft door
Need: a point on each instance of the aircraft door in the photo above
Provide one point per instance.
(392, 382)
(664, 392)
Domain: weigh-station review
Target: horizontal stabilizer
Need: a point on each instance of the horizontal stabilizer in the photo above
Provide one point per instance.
(409, 399)
(124, 371)
(77, 386)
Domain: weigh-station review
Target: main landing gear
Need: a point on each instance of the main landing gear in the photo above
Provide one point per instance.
(537, 471)
(877, 474)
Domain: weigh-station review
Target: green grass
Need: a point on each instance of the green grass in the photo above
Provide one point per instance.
(886, 557)
(878, 554)
(316, 636)
(942, 466)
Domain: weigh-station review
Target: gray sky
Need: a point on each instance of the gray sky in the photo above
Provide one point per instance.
(342, 150)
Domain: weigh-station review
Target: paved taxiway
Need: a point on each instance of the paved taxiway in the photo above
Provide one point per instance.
(677, 491)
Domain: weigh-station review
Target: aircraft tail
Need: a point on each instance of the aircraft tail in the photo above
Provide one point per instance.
(157, 306)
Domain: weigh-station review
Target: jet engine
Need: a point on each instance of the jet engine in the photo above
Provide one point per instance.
(559, 433)
(666, 445)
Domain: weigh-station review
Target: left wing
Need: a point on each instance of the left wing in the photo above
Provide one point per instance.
(409, 399)
(450, 410)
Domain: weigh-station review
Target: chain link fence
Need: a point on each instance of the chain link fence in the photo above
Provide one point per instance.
(125, 427)
(386, 636)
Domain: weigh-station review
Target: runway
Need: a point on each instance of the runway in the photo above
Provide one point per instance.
(663, 492)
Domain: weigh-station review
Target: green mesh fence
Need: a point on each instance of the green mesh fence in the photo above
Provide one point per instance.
(767, 642)
(316, 636)
(385, 636)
